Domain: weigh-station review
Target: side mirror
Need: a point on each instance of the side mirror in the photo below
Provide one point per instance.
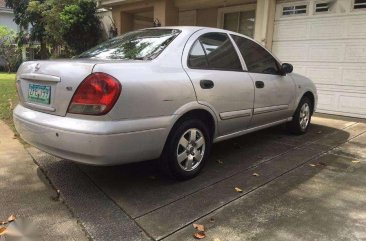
(287, 68)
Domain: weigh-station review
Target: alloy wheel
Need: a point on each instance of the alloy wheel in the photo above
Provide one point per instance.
(191, 149)
(304, 116)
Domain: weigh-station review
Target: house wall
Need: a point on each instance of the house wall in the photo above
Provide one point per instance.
(6, 19)
(163, 10)
(195, 12)
(207, 17)
(106, 22)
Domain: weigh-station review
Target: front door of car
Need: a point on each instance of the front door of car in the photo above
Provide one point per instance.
(274, 91)
(216, 71)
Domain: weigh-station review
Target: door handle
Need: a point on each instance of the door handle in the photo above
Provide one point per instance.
(207, 84)
(259, 84)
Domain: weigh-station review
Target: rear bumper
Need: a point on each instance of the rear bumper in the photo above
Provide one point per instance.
(93, 142)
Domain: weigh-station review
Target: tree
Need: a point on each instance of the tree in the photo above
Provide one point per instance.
(10, 54)
(54, 23)
(29, 13)
(19, 7)
(80, 26)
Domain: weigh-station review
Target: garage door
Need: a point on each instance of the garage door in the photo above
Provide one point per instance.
(326, 41)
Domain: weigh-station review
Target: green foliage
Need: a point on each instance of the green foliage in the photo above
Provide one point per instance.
(80, 25)
(19, 7)
(71, 24)
(10, 54)
(8, 97)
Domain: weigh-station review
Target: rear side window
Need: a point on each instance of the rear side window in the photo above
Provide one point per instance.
(257, 59)
(197, 57)
(214, 51)
(144, 44)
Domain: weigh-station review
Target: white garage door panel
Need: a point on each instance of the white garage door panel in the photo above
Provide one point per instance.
(355, 76)
(350, 104)
(330, 49)
(342, 51)
(337, 77)
(356, 28)
(324, 27)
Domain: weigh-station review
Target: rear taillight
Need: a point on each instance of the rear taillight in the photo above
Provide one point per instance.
(96, 95)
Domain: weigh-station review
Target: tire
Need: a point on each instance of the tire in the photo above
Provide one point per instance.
(185, 153)
(302, 117)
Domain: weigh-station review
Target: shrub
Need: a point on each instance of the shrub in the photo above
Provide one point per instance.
(10, 54)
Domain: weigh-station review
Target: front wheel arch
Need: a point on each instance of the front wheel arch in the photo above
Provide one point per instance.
(311, 97)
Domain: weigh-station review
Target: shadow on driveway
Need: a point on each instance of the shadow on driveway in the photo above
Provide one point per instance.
(161, 207)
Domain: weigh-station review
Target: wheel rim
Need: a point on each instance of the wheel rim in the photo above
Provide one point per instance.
(191, 149)
(304, 116)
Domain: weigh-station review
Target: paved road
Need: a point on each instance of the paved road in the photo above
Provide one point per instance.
(309, 187)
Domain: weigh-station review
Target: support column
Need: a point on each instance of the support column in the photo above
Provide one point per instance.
(116, 15)
(264, 22)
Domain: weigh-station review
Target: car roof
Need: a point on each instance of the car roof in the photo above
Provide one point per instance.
(192, 29)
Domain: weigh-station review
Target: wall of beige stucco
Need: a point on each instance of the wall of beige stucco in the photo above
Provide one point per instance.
(167, 12)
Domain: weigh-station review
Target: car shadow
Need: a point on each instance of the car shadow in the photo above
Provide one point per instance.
(140, 188)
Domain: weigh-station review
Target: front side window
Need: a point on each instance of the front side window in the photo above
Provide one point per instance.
(219, 53)
(139, 45)
(257, 59)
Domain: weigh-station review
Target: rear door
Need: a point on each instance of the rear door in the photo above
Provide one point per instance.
(274, 91)
(215, 69)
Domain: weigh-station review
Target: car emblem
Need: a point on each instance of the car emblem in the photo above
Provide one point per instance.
(38, 66)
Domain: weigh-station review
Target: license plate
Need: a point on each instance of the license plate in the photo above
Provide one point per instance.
(39, 94)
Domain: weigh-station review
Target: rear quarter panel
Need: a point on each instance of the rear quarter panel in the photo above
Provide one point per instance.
(159, 87)
(149, 89)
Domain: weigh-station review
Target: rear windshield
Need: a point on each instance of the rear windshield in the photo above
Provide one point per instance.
(144, 44)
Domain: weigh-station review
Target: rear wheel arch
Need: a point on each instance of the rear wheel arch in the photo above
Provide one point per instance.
(200, 114)
(169, 161)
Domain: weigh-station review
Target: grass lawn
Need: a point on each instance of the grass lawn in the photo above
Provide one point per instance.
(8, 98)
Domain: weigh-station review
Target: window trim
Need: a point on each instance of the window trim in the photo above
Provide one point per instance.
(278, 63)
(294, 5)
(330, 10)
(356, 9)
(208, 64)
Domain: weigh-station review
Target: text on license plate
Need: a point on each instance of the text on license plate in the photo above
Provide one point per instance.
(39, 93)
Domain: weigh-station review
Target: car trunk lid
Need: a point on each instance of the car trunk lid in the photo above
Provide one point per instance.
(48, 86)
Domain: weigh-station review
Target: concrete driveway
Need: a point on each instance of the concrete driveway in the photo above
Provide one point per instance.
(310, 187)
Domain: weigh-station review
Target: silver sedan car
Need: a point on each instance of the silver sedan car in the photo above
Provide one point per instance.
(160, 93)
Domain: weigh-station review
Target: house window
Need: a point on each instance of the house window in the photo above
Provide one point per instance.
(294, 10)
(325, 6)
(359, 4)
(241, 22)
(322, 7)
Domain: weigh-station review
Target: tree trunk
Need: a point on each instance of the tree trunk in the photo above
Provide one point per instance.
(8, 67)
(43, 50)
